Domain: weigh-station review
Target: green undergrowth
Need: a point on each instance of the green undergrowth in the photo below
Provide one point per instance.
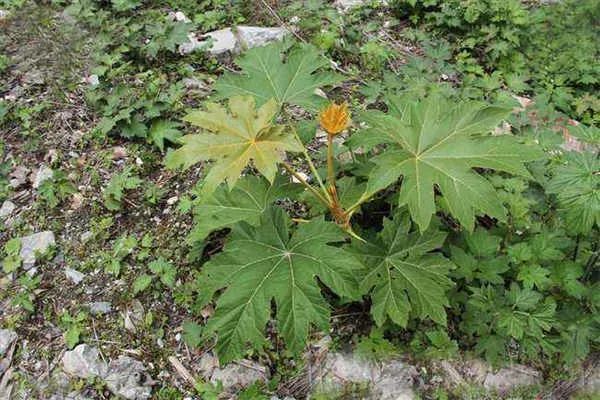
(447, 214)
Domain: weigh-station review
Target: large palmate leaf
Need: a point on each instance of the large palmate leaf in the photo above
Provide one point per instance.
(576, 184)
(238, 136)
(246, 201)
(267, 263)
(436, 144)
(403, 274)
(266, 75)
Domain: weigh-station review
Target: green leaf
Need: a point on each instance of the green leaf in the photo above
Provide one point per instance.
(246, 201)
(523, 299)
(125, 5)
(293, 80)
(534, 275)
(124, 246)
(375, 347)
(238, 137)
(483, 244)
(404, 275)
(493, 347)
(12, 261)
(589, 134)
(72, 336)
(566, 275)
(441, 345)
(576, 184)
(141, 283)
(165, 270)
(512, 324)
(162, 130)
(115, 189)
(192, 334)
(486, 270)
(265, 264)
(438, 143)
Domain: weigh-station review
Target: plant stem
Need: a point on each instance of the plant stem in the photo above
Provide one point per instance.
(314, 191)
(312, 167)
(330, 170)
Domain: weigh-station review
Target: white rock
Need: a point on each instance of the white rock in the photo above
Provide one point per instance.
(74, 276)
(476, 370)
(42, 174)
(390, 380)
(223, 40)
(71, 396)
(207, 364)
(3, 14)
(127, 378)
(512, 377)
(83, 361)
(172, 200)
(18, 176)
(7, 209)
(119, 152)
(85, 236)
(233, 40)
(191, 45)
(100, 307)
(255, 36)
(181, 17)
(37, 243)
(195, 84)
(7, 337)
(345, 5)
(591, 384)
(239, 375)
(92, 80)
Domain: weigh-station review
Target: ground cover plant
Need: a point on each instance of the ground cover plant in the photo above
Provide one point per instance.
(405, 180)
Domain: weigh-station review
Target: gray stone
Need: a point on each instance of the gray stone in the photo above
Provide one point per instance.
(7, 337)
(35, 77)
(207, 364)
(345, 5)
(7, 209)
(70, 396)
(475, 370)
(223, 41)
(84, 362)
(239, 375)
(41, 175)
(74, 276)
(85, 236)
(59, 381)
(127, 378)
(191, 45)
(233, 40)
(178, 16)
(18, 176)
(216, 42)
(100, 307)
(196, 84)
(134, 315)
(389, 380)
(255, 36)
(590, 383)
(37, 243)
(512, 377)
